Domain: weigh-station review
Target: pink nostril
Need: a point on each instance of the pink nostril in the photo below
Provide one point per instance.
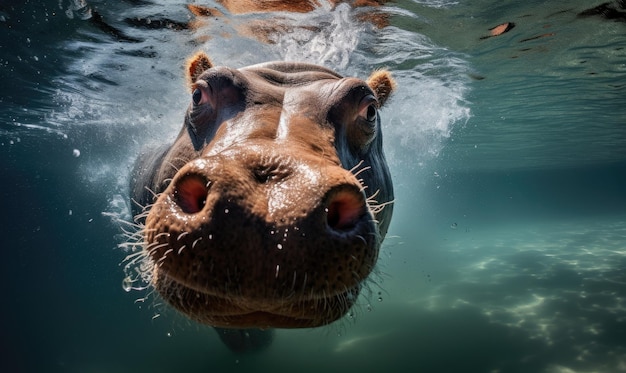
(344, 210)
(191, 193)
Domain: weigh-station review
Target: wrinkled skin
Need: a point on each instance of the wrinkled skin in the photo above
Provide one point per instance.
(273, 201)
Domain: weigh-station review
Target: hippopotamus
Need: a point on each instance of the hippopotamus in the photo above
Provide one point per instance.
(269, 208)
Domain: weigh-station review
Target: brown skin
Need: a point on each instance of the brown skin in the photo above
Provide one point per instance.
(273, 201)
(297, 6)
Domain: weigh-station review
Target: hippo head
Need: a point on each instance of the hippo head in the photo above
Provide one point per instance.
(270, 207)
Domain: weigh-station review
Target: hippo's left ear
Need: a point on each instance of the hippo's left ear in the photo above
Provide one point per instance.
(382, 84)
(196, 65)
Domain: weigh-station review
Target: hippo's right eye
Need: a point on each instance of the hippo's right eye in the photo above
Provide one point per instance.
(370, 113)
(369, 109)
(197, 96)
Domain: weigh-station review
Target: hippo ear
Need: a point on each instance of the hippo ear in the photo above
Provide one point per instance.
(196, 65)
(382, 84)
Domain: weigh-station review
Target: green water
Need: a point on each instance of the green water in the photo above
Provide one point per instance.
(508, 246)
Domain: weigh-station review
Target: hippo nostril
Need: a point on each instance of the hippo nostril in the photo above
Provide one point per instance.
(344, 209)
(191, 193)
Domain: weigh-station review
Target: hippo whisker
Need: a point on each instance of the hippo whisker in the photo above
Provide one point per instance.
(181, 235)
(377, 208)
(304, 281)
(356, 172)
(136, 264)
(154, 195)
(361, 170)
(165, 254)
(133, 225)
(173, 166)
(132, 240)
(142, 275)
(133, 237)
(183, 161)
(162, 234)
(344, 299)
(139, 232)
(293, 282)
(134, 247)
(151, 249)
(133, 258)
(372, 198)
(193, 245)
(362, 239)
(142, 216)
(356, 166)
(136, 203)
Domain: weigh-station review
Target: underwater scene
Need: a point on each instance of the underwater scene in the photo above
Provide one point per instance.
(505, 139)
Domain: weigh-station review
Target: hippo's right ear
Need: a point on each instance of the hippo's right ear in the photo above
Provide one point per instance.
(382, 84)
(196, 65)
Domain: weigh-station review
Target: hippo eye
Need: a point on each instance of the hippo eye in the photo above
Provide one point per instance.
(371, 113)
(196, 96)
(369, 109)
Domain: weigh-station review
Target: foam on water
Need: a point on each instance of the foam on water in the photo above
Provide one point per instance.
(330, 45)
(136, 90)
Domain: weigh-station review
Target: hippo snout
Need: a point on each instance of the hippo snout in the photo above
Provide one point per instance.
(344, 204)
(264, 234)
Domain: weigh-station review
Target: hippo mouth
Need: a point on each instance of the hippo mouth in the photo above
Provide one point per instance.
(225, 263)
(231, 312)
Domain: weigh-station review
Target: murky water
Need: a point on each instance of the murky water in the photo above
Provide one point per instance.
(508, 246)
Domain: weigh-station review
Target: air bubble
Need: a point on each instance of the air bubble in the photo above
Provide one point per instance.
(76, 153)
(279, 246)
(127, 284)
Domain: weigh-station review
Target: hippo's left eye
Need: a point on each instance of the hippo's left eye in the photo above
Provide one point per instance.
(196, 96)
